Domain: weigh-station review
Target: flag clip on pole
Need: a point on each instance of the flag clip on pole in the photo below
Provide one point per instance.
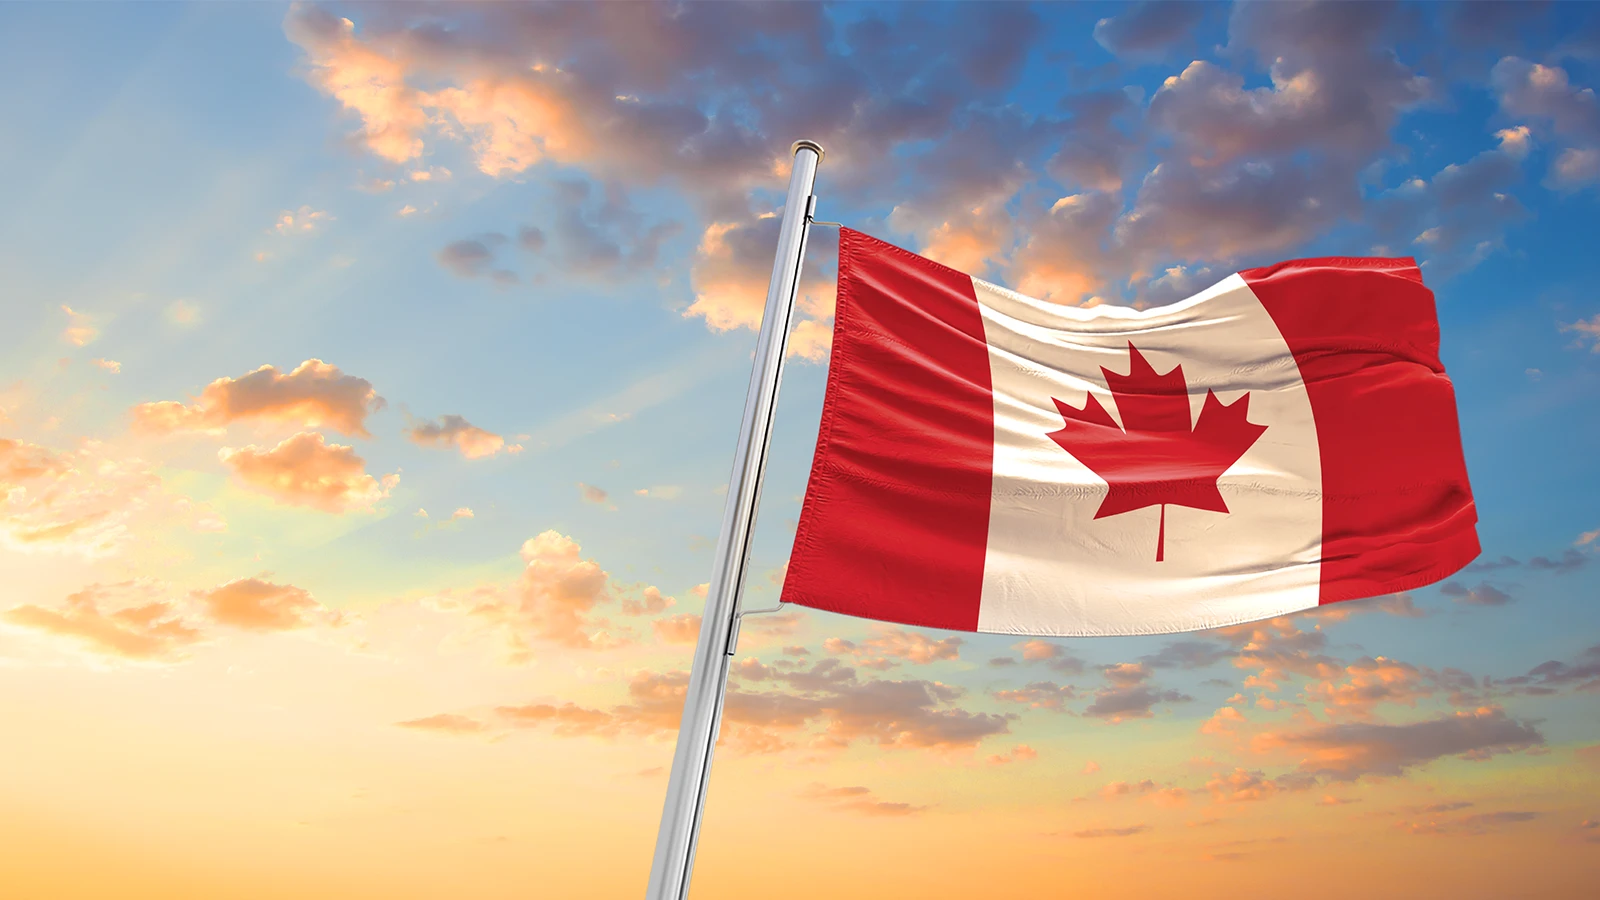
(708, 678)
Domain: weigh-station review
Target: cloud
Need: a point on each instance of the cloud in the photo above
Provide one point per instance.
(1259, 170)
(607, 239)
(531, 239)
(124, 621)
(1584, 672)
(620, 99)
(1122, 788)
(86, 501)
(1399, 605)
(452, 430)
(1485, 594)
(1348, 751)
(730, 274)
(655, 707)
(1224, 721)
(1479, 823)
(1019, 753)
(1587, 330)
(78, 332)
(859, 800)
(109, 365)
(252, 604)
(1278, 648)
(1570, 560)
(914, 714)
(649, 602)
(1369, 682)
(301, 221)
(1186, 654)
(1052, 655)
(1245, 785)
(472, 257)
(890, 645)
(1576, 167)
(683, 628)
(559, 590)
(446, 723)
(1546, 96)
(1127, 831)
(1066, 256)
(1149, 29)
(313, 395)
(1461, 214)
(367, 81)
(595, 495)
(1128, 695)
(303, 470)
(1040, 695)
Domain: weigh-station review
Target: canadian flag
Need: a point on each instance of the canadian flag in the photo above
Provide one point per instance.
(992, 462)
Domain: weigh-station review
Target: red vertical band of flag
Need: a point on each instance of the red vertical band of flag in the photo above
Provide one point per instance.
(1397, 511)
(896, 515)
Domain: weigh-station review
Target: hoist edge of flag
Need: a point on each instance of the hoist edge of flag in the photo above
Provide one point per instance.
(904, 446)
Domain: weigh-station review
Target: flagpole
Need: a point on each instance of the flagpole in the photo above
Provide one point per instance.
(708, 677)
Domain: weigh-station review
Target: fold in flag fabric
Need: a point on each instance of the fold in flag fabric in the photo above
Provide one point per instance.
(992, 462)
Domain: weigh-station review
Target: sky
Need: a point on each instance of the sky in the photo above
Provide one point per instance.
(369, 383)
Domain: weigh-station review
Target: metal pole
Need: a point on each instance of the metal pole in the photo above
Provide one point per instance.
(708, 678)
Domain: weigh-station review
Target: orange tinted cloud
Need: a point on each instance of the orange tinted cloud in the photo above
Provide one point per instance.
(1243, 785)
(446, 723)
(1224, 721)
(305, 471)
(313, 395)
(1349, 750)
(1128, 695)
(21, 461)
(730, 275)
(300, 221)
(120, 620)
(860, 800)
(559, 589)
(1127, 831)
(559, 598)
(656, 707)
(1278, 648)
(679, 629)
(85, 501)
(902, 714)
(1040, 695)
(366, 80)
(649, 601)
(79, 332)
(893, 644)
(472, 441)
(1019, 753)
(256, 605)
(1369, 682)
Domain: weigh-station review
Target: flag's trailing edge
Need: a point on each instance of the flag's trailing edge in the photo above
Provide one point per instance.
(992, 462)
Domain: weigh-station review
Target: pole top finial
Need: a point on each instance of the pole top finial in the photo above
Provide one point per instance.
(812, 145)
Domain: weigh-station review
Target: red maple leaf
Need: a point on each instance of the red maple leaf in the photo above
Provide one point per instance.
(1159, 459)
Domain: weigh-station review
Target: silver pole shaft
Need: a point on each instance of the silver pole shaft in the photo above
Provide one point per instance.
(708, 678)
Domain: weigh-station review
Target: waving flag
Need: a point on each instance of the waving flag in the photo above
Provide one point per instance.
(992, 462)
